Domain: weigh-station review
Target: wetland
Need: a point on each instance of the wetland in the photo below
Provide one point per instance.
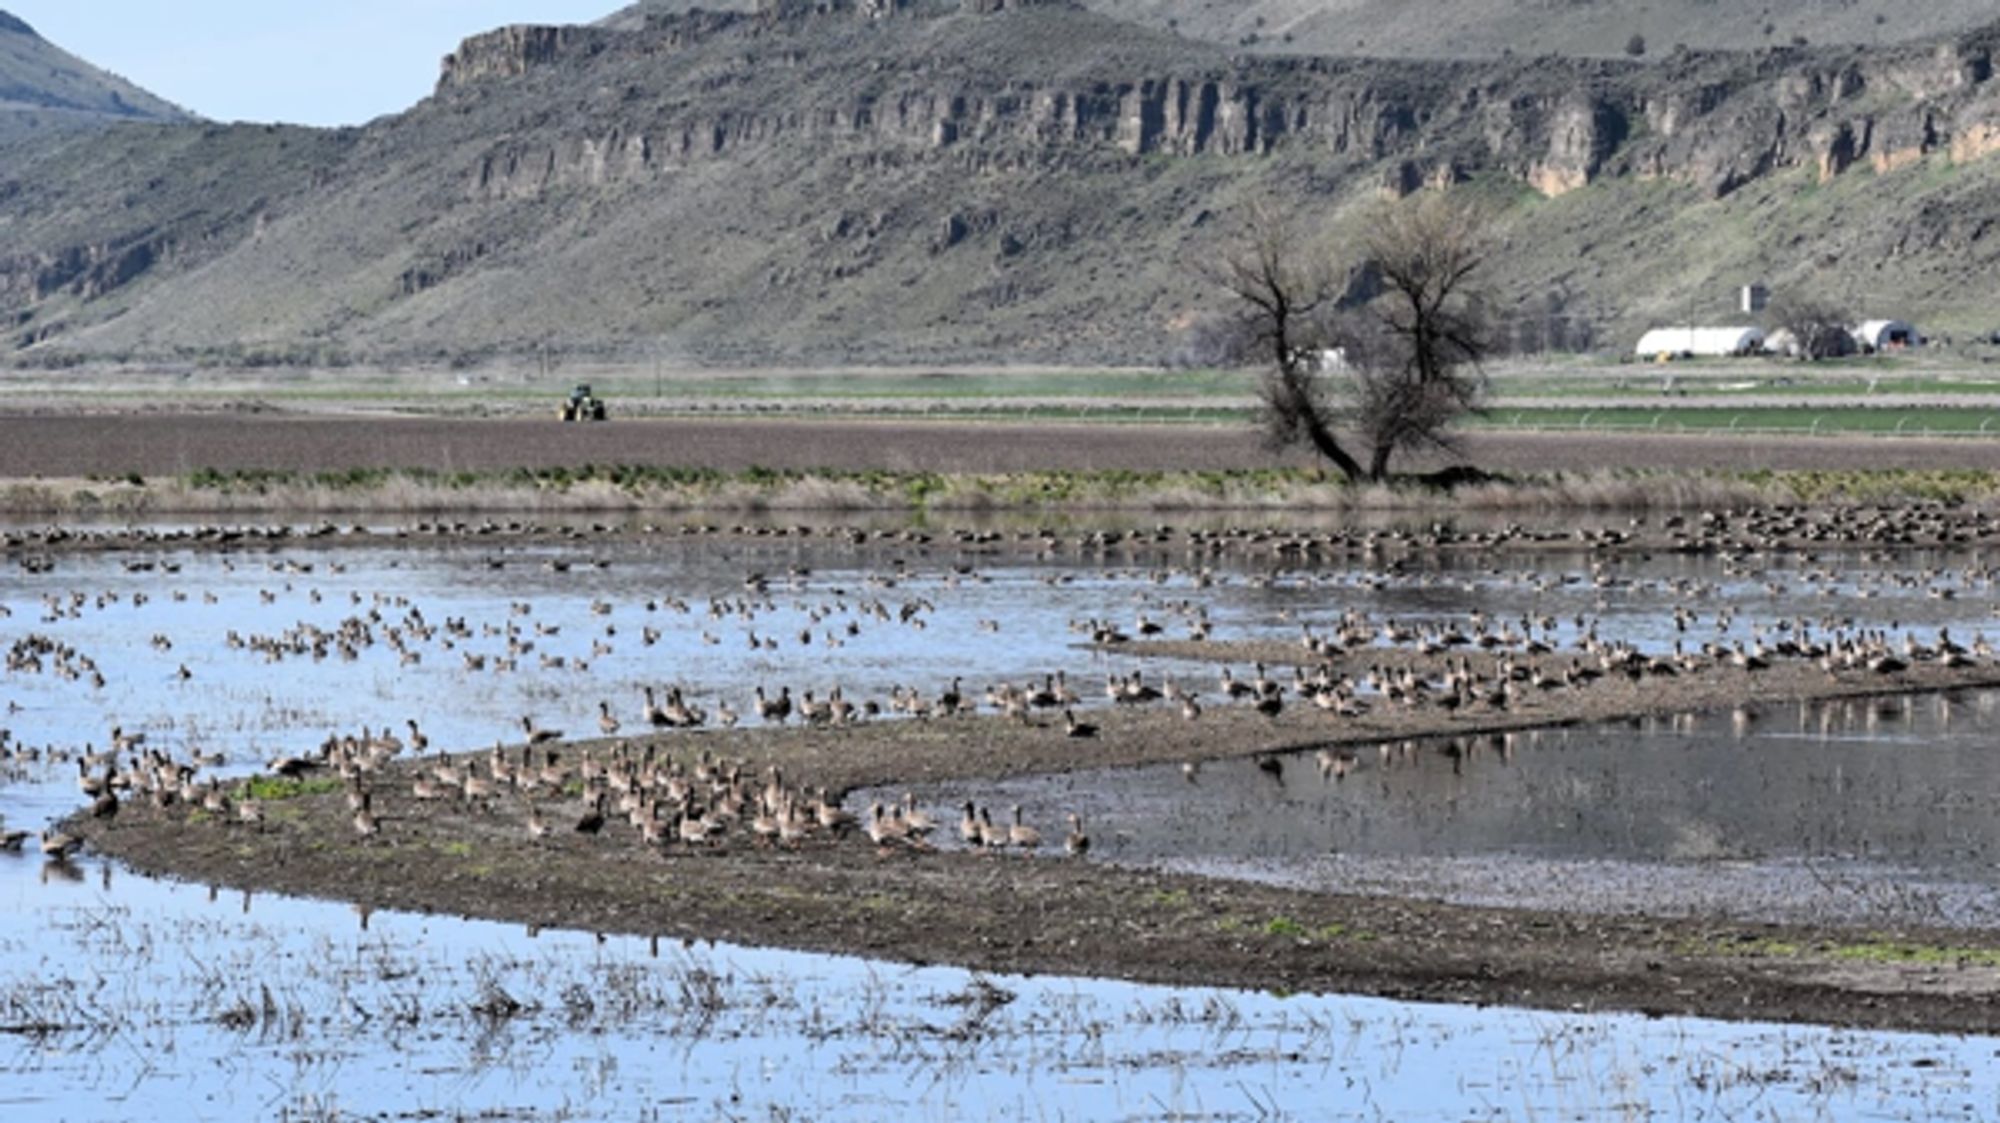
(1724, 768)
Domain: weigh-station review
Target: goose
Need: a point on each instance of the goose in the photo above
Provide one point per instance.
(538, 735)
(60, 845)
(1077, 843)
(11, 841)
(692, 830)
(968, 826)
(1075, 728)
(1234, 688)
(593, 819)
(919, 822)
(991, 838)
(832, 817)
(793, 826)
(766, 826)
(774, 709)
(88, 783)
(294, 767)
(1190, 708)
(538, 827)
(365, 823)
(885, 830)
(607, 724)
(1022, 836)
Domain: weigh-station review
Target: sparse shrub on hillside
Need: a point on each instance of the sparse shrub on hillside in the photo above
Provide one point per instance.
(1216, 340)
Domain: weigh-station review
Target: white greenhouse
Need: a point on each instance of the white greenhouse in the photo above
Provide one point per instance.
(1685, 342)
(1887, 335)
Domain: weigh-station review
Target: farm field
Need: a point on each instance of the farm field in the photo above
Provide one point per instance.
(1718, 766)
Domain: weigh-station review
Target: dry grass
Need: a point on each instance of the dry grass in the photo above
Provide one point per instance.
(1278, 492)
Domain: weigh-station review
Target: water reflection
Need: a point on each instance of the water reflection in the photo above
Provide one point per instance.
(1861, 810)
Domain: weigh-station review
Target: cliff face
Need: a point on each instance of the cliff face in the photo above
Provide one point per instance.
(1715, 122)
(931, 178)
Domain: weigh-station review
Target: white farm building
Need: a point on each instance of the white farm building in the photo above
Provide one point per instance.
(1699, 342)
(1887, 335)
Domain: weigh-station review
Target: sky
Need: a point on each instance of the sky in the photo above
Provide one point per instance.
(309, 62)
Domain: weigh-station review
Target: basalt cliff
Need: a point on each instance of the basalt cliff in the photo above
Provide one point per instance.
(909, 181)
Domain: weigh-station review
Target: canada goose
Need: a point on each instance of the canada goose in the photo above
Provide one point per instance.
(538, 735)
(991, 838)
(885, 830)
(88, 783)
(105, 806)
(919, 822)
(10, 841)
(1075, 728)
(365, 823)
(692, 830)
(968, 825)
(774, 709)
(1078, 842)
(593, 819)
(1021, 836)
(1190, 708)
(538, 827)
(294, 767)
(1234, 688)
(606, 724)
(60, 845)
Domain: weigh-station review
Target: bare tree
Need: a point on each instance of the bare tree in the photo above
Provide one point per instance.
(1428, 251)
(1818, 327)
(1285, 293)
(1407, 369)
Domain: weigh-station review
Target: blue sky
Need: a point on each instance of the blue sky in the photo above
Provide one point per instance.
(314, 62)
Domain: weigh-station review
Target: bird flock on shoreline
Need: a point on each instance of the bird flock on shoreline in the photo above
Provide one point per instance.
(1344, 667)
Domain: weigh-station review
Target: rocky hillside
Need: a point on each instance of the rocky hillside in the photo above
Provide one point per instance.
(1497, 28)
(905, 180)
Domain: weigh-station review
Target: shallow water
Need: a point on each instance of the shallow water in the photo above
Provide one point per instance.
(1883, 810)
(121, 996)
(143, 1000)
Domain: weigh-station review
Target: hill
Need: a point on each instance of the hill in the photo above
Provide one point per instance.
(889, 180)
(36, 75)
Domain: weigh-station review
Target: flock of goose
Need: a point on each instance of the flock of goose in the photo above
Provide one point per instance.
(1344, 667)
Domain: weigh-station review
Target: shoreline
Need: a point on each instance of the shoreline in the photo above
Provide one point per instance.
(1051, 914)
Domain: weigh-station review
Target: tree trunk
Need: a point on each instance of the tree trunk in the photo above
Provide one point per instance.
(1328, 446)
(1378, 465)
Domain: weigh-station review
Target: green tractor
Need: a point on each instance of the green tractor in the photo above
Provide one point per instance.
(582, 405)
